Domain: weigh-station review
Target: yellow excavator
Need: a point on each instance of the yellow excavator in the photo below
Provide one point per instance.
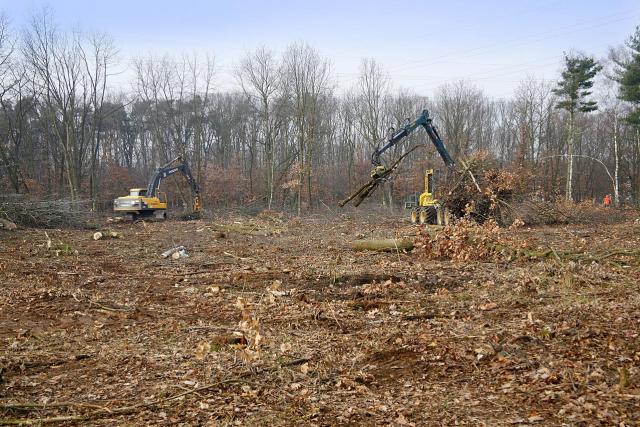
(150, 202)
(428, 209)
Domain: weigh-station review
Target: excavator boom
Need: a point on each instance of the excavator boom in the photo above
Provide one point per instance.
(174, 166)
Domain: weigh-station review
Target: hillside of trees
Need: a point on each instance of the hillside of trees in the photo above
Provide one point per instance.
(288, 137)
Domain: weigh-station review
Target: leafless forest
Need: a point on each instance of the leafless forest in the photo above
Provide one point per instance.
(286, 138)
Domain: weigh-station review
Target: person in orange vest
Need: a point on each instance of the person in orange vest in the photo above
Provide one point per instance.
(607, 200)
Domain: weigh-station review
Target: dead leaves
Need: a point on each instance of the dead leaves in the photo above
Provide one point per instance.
(249, 326)
(458, 342)
(488, 306)
(202, 349)
(463, 240)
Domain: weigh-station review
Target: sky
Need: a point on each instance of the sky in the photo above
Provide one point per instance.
(421, 45)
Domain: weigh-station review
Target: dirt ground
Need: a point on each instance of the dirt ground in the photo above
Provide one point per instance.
(295, 328)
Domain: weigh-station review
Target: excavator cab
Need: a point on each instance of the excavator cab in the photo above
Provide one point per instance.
(138, 192)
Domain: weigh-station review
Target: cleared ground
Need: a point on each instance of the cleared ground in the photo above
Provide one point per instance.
(295, 328)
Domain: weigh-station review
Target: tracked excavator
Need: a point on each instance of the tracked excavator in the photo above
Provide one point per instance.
(428, 210)
(150, 202)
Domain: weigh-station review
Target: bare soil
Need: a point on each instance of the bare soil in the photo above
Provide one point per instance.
(295, 328)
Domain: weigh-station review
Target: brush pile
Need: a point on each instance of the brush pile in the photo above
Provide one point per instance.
(536, 211)
(479, 189)
(57, 213)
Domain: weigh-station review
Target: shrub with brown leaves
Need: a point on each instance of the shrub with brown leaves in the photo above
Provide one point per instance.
(462, 240)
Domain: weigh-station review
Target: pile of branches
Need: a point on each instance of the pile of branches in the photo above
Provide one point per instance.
(536, 211)
(53, 213)
(466, 240)
(478, 188)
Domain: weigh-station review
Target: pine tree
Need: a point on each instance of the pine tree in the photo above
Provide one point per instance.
(629, 78)
(573, 90)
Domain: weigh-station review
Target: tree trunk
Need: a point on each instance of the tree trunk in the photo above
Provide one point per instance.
(637, 175)
(569, 185)
(616, 184)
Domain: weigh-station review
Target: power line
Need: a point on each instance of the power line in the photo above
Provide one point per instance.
(481, 50)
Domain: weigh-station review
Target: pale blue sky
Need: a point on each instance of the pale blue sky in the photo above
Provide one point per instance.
(421, 44)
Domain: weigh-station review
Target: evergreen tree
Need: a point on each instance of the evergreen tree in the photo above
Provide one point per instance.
(629, 78)
(573, 90)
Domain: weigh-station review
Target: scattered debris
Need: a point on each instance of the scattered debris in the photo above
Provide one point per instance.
(170, 252)
(534, 211)
(251, 229)
(5, 224)
(351, 337)
(59, 248)
(182, 253)
(106, 234)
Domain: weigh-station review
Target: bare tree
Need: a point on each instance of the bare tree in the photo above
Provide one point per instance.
(373, 92)
(201, 90)
(97, 57)
(459, 109)
(306, 76)
(9, 78)
(72, 83)
(259, 79)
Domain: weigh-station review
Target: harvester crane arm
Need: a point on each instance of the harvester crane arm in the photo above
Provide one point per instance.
(425, 121)
(380, 173)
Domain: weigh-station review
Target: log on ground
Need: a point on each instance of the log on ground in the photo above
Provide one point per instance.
(383, 245)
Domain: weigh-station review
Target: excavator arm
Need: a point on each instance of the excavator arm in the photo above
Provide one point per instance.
(174, 166)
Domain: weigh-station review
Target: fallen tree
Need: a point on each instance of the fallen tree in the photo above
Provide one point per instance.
(383, 245)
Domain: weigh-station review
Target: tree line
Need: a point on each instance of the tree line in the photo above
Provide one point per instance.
(286, 137)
